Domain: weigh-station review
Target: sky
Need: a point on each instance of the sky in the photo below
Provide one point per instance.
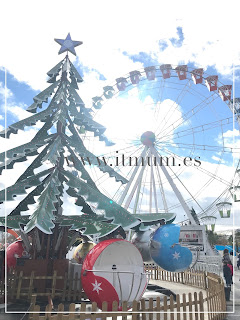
(119, 37)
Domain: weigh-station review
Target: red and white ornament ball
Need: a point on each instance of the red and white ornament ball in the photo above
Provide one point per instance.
(14, 250)
(114, 271)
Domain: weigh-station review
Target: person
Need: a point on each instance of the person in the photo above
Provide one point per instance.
(238, 261)
(227, 274)
(230, 266)
(226, 257)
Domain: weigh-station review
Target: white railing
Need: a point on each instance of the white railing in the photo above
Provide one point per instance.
(208, 267)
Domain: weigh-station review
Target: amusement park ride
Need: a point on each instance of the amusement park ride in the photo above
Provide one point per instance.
(165, 156)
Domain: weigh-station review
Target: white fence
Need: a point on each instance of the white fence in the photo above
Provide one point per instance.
(208, 267)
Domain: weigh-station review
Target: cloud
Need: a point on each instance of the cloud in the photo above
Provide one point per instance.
(218, 159)
(112, 34)
(230, 139)
(5, 92)
(18, 111)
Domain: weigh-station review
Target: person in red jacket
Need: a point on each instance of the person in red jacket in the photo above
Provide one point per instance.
(230, 266)
(227, 274)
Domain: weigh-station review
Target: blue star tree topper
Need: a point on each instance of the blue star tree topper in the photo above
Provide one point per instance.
(68, 44)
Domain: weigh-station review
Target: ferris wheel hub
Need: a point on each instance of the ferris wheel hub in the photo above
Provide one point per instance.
(148, 138)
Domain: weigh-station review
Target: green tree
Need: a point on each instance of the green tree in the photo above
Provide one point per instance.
(213, 237)
(59, 142)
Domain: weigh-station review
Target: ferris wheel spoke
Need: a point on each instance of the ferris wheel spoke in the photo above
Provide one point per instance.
(196, 195)
(210, 174)
(224, 195)
(200, 147)
(198, 129)
(188, 115)
(174, 106)
(193, 197)
(159, 98)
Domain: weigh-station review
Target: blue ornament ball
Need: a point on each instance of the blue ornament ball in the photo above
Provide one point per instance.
(166, 251)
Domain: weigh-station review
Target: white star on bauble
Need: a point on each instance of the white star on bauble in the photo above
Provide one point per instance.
(176, 255)
(96, 286)
(166, 235)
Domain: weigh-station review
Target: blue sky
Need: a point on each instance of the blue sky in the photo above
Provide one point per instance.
(116, 42)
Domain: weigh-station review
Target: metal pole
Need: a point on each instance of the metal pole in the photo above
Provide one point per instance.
(175, 189)
(143, 154)
(151, 184)
(137, 184)
(154, 186)
(162, 191)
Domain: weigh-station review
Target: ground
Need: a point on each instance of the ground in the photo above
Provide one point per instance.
(236, 291)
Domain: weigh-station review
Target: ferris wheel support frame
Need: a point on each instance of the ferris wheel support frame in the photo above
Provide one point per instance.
(143, 154)
(154, 185)
(136, 185)
(162, 191)
(174, 188)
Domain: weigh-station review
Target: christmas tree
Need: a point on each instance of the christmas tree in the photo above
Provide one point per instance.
(65, 118)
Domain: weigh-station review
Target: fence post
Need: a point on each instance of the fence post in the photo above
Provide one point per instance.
(124, 309)
(65, 286)
(70, 284)
(134, 309)
(36, 315)
(33, 302)
(201, 306)
(13, 289)
(143, 308)
(48, 312)
(165, 308)
(178, 307)
(19, 285)
(196, 305)
(184, 307)
(104, 309)
(158, 306)
(61, 309)
(171, 308)
(190, 306)
(75, 286)
(182, 273)
(71, 309)
(31, 285)
(32, 306)
(54, 283)
(150, 308)
(205, 279)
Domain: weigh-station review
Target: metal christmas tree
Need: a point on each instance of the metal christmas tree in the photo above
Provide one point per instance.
(65, 118)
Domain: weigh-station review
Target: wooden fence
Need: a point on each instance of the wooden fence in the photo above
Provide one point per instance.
(192, 306)
(190, 277)
(23, 287)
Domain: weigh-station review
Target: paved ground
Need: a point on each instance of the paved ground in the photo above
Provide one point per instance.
(233, 306)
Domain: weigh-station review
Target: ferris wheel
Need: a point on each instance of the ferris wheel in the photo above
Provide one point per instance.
(172, 131)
